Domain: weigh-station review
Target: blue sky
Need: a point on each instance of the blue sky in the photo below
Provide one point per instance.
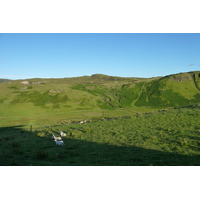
(53, 55)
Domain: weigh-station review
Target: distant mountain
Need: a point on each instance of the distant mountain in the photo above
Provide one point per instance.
(3, 80)
(36, 96)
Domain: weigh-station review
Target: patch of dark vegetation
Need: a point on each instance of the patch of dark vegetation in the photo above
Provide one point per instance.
(128, 94)
(39, 99)
(17, 151)
(14, 87)
(41, 154)
(103, 77)
(14, 163)
(30, 87)
(111, 98)
(15, 144)
(196, 76)
(2, 100)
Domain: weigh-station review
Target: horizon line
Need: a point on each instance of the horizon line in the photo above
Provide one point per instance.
(24, 77)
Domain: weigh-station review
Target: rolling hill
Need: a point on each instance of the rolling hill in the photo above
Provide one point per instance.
(97, 94)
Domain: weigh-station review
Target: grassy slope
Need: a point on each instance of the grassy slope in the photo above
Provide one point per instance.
(174, 90)
(95, 96)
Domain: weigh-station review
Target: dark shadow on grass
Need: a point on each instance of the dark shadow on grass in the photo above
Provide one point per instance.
(41, 151)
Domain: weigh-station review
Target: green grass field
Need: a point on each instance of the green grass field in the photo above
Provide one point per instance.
(168, 138)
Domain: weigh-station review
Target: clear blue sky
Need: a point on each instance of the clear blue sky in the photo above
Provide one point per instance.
(53, 55)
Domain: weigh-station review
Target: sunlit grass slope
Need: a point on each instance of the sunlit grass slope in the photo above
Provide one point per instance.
(170, 91)
(91, 96)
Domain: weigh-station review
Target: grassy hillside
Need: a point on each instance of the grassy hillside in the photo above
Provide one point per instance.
(171, 91)
(94, 96)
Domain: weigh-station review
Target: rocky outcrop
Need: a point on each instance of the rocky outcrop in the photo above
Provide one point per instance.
(25, 82)
(33, 83)
(179, 78)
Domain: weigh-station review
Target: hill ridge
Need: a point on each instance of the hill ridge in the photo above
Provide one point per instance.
(98, 93)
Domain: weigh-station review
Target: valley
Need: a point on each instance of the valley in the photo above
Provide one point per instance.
(129, 121)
